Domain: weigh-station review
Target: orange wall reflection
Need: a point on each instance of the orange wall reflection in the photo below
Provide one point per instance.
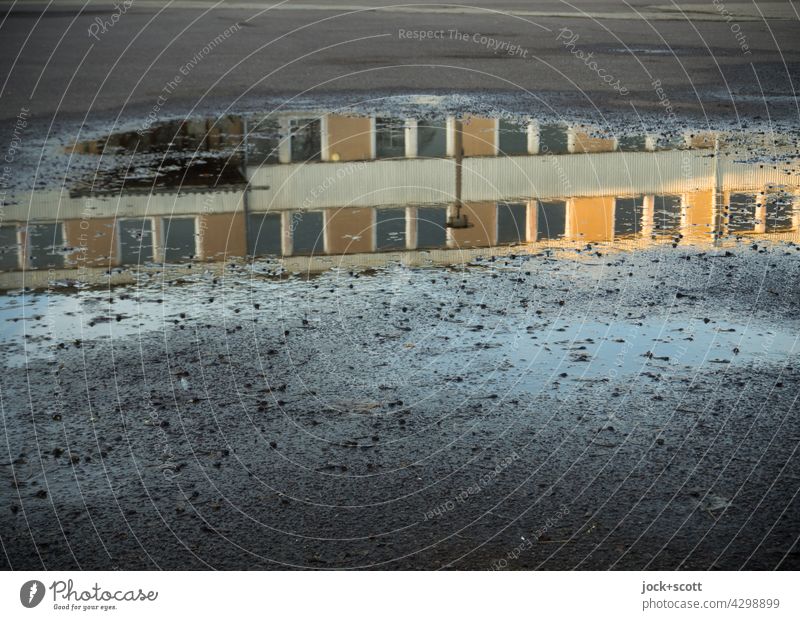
(349, 138)
(590, 219)
(349, 230)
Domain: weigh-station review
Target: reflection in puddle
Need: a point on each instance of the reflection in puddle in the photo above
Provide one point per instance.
(547, 351)
(370, 190)
(198, 227)
(601, 351)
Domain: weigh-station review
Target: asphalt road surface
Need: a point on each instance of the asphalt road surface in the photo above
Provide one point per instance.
(81, 61)
(254, 439)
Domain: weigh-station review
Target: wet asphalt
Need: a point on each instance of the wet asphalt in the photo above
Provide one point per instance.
(53, 64)
(405, 418)
(519, 413)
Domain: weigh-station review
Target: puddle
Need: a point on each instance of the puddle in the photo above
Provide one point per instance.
(310, 190)
(338, 298)
(593, 351)
(170, 212)
(422, 321)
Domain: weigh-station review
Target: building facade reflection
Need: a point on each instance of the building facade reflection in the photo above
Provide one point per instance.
(334, 185)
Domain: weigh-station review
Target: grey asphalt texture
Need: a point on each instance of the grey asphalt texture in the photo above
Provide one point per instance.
(51, 65)
(228, 439)
(343, 422)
